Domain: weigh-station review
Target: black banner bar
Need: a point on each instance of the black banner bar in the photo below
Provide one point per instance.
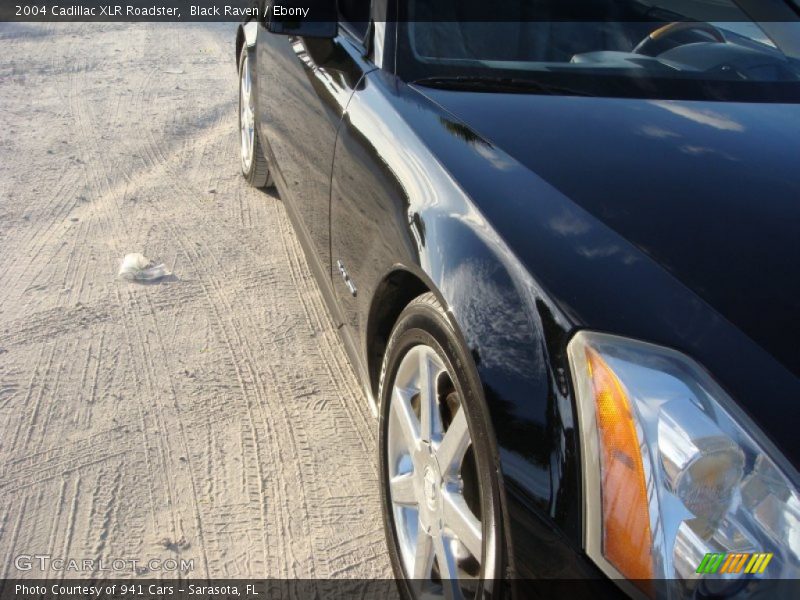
(409, 10)
(141, 588)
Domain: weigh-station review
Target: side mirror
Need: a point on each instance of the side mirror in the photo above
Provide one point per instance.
(304, 18)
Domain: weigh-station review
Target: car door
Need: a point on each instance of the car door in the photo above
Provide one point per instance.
(303, 87)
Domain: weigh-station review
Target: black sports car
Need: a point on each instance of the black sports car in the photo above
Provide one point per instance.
(564, 257)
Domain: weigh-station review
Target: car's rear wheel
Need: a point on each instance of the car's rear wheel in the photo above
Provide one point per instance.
(439, 485)
(254, 164)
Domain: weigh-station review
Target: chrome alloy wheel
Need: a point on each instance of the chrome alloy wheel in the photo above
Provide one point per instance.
(246, 115)
(433, 488)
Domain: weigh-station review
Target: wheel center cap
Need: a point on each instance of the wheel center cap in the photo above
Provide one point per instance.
(431, 487)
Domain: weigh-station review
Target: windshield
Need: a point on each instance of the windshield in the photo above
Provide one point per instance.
(656, 48)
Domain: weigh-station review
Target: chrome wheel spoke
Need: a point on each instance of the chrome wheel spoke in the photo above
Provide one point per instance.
(459, 519)
(428, 410)
(246, 77)
(409, 425)
(454, 444)
(402, 488)
(448, 570)
(423, 558)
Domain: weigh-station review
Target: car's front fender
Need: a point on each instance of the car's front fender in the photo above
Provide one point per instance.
(396, 208)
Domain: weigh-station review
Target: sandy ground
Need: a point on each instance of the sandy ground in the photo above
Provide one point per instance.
(211, 417)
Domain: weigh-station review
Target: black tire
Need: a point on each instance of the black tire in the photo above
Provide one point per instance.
(257, 171)
(424, 322)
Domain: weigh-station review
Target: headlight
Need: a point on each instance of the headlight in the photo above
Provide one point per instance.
(678, 483)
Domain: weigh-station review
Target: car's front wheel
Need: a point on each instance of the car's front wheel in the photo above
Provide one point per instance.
(254, 164)
(439, 486)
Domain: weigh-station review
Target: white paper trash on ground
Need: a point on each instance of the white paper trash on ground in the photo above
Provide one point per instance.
(137, 267)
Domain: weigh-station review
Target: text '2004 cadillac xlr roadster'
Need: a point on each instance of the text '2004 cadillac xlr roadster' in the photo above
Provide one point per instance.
(563, 256)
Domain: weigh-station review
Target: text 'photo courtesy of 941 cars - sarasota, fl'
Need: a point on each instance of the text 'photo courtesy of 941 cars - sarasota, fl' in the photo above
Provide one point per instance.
(564, 258)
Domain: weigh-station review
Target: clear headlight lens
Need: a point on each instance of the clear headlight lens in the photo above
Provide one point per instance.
(675, 474)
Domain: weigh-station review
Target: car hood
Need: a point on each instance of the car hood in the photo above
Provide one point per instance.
(708, 190)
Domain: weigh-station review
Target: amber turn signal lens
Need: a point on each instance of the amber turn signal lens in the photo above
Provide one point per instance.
(627, 539)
